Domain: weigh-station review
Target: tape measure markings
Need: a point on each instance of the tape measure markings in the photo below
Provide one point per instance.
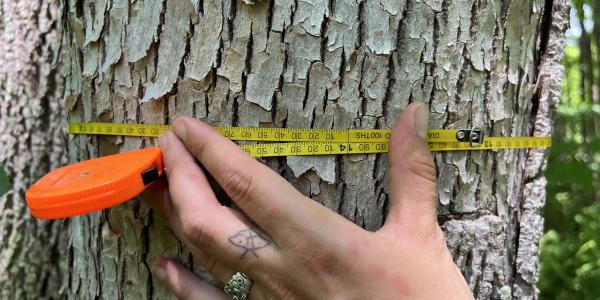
(309, 141)
(324, 148)
(262, 134)
(313, 148)
(491, 143)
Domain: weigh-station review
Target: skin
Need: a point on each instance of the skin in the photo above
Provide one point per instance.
(291, 246)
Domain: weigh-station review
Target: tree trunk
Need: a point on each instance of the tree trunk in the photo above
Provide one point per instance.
(32, 143)
(321, 64)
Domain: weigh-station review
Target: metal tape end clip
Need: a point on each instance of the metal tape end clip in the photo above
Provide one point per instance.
(473, 136)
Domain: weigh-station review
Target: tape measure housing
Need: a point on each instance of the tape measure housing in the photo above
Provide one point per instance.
(94, 184)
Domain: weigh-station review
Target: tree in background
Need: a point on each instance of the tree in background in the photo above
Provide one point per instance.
(570, 258)
(324, 64)
(32, 142)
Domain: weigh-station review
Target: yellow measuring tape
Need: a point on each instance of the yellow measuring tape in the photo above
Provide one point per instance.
(301, 141)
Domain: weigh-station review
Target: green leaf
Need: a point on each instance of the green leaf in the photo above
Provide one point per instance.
(4, 182)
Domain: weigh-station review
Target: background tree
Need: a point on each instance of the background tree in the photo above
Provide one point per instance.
(336, 64)
(32, 143)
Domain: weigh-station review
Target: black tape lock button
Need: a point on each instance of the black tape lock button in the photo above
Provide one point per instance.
(150, 175)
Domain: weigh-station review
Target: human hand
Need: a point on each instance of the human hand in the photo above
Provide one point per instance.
(291, 246)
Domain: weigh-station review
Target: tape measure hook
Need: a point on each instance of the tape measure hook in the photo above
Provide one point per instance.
(473, 136)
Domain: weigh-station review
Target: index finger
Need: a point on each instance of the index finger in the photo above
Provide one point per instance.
(267, 198)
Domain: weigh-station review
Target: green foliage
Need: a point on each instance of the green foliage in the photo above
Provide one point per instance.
(570, 247)
(4, 182)
(571, 262)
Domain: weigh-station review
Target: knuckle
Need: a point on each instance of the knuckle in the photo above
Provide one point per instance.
(210, 264)
(314, 257)
(238, 184)
(197, 232)
(254, 267)
(279, 289)
(185, 172)
(197, 148)
(420, 164)
(424, 168)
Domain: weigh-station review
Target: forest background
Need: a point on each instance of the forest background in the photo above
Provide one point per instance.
(570, 247)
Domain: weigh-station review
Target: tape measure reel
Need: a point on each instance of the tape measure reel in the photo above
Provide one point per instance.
(94, 184)
(107, 181)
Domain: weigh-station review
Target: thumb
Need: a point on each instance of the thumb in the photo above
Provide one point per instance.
(412, 171)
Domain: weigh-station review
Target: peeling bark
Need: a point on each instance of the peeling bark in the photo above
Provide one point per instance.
(330, 65)
(336, 64)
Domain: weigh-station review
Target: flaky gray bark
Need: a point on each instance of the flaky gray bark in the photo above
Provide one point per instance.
(31, 143)
(335, 64)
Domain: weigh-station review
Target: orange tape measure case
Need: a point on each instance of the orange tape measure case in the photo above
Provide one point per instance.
(94, 184)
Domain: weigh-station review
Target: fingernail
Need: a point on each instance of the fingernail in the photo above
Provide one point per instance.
(179, 129)
(422, 120)
(163, 140)
(159, 271)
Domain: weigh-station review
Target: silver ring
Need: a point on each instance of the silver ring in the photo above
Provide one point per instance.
(238, 287)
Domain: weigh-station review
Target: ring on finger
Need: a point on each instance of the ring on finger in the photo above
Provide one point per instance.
(238, 287)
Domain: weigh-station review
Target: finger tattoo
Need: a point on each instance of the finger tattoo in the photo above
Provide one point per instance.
(250, 240)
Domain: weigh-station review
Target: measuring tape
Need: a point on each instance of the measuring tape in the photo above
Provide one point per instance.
(302, 141)
(107, 181)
